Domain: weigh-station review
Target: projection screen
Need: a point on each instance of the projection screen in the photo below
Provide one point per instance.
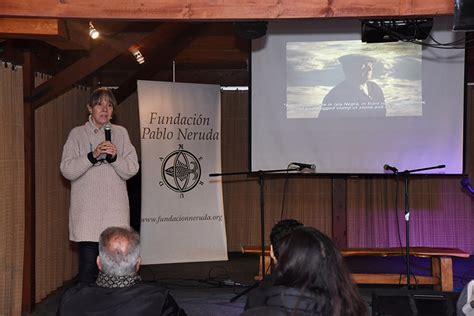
(321, 96)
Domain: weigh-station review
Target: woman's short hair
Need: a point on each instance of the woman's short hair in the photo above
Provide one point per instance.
(310, 261)
(99, 94)
(119, 250)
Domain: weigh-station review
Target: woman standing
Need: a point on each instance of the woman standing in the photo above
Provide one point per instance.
(97, 169)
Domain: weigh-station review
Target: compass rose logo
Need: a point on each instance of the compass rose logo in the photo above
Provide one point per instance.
(180, 171)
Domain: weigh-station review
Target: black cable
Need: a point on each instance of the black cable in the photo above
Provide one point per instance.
(198, 285)
(285, 186)
(413, 40)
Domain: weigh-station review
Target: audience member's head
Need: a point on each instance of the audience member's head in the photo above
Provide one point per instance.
(119, 252)
(118, 289)
(281, 229)
(310, 261)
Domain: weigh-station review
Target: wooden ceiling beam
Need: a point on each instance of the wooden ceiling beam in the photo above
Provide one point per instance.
(206, 10)
(110, 49)
(75, 36)
(162, 54)
(28, 27)
(60, 33)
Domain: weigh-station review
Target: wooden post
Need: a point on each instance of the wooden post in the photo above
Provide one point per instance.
(339, 216)
(28, 298)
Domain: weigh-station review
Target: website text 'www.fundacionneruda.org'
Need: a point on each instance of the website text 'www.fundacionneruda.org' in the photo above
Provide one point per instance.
(181, 218)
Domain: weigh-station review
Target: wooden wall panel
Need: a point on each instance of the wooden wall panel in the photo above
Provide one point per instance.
(12, 195)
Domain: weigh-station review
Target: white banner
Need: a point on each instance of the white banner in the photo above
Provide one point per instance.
(182, 208)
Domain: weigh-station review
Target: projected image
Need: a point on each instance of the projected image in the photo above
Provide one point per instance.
(353, 79)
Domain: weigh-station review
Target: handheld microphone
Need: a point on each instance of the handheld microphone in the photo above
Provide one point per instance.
(465, 183)
(108, 136)
(302, 166)
(388, 167)
(108, 131)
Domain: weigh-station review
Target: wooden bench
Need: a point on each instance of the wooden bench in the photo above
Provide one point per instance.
(441, 265)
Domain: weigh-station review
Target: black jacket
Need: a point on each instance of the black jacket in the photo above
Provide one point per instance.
(281, 300)
(257, 296)
(139, 299)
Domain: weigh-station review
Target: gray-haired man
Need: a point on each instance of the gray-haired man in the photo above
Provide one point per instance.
(118, 289)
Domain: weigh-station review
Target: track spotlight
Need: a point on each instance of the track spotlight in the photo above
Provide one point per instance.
(93, 33)
(138, 55)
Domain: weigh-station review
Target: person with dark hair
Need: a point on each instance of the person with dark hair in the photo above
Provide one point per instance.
(310, 279)
(97, 163)
(280, 230)
(357, 95)
(118, 289)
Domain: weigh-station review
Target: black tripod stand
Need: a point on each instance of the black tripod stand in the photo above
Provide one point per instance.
(261, 176)
(406, 175)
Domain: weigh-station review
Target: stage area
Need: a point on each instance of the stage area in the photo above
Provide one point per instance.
(205, 288)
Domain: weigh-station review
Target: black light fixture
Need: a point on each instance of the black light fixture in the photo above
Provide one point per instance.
(393, 30)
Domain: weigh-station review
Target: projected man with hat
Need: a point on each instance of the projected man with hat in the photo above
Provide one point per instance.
(357, 95)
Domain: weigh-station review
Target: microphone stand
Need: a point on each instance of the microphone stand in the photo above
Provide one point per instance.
(261, 176)
(405, 175)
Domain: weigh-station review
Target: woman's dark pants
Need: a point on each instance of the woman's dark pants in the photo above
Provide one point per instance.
(88, 252)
